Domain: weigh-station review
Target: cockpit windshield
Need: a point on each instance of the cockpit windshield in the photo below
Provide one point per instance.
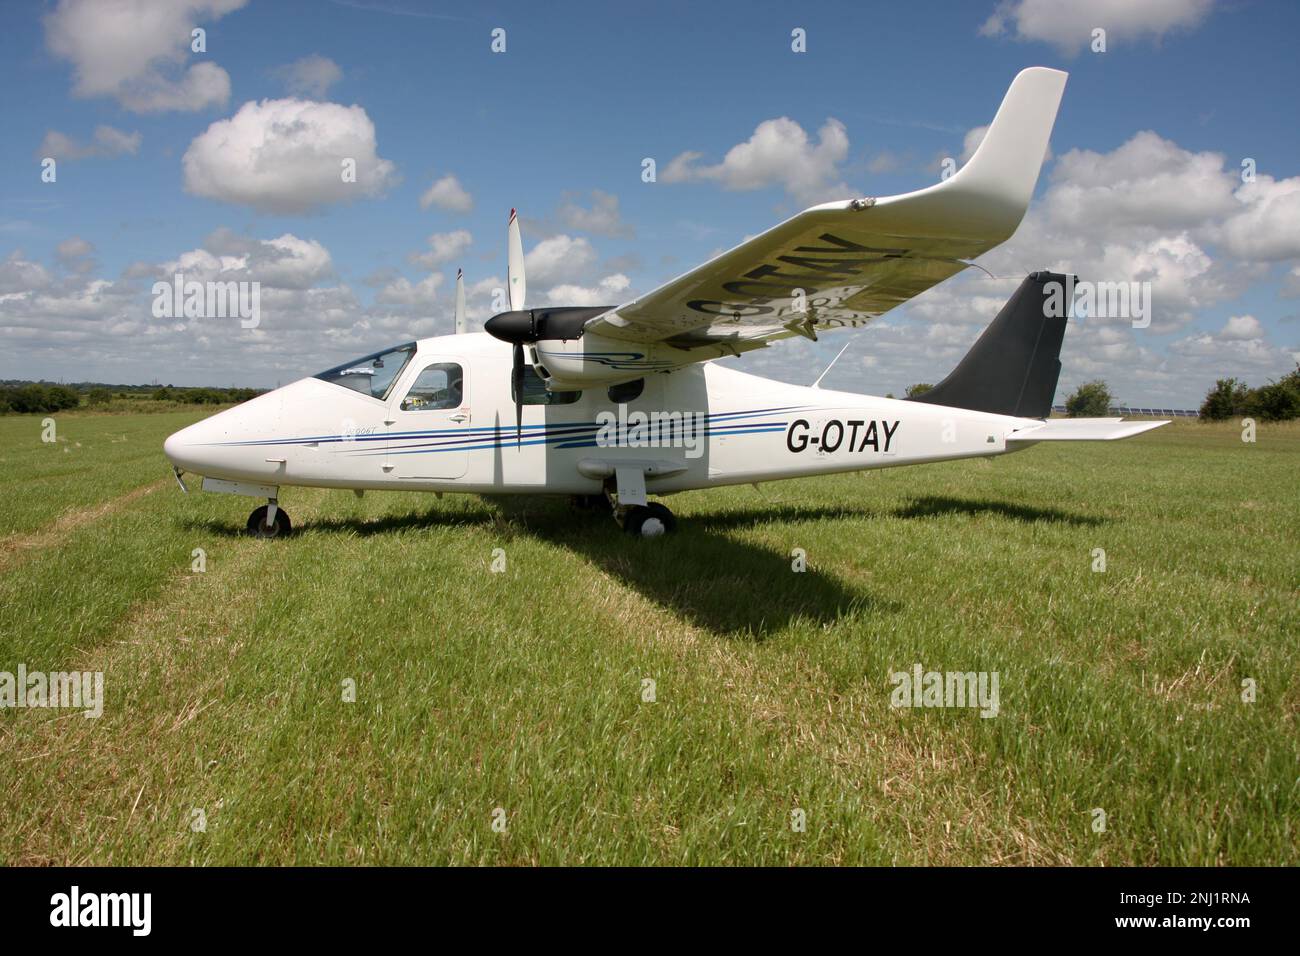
(372, 375)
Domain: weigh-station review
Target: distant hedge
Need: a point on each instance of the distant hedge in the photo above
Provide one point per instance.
(203, 396)
(38, 397)
(41, 397)
(1275, 402)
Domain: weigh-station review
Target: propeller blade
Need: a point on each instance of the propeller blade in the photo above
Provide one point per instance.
(462, 326)
(517, 380)
(515, 263)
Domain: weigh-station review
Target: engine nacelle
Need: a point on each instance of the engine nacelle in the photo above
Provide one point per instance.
(593, 360)
(568, 358)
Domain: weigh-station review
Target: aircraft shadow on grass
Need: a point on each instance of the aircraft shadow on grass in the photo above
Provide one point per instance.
(714, 581)
(709, 578)
(362, 527)
(938, 505)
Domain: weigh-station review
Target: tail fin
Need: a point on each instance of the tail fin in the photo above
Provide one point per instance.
(1013, 366)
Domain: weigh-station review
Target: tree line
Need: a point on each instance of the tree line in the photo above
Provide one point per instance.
(1272, 402)
(1229, 398)
(40, 397)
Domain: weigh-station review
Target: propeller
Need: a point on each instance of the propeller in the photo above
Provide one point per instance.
(515, 264)
(462, 326)
(517, 386)
(518, 288)
(522, 327)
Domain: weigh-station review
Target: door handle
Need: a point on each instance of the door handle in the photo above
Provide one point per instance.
(459, 418)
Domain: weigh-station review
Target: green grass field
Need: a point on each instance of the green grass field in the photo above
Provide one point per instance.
(523, 690)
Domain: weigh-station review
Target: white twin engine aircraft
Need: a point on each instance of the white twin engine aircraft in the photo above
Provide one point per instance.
(626, 402)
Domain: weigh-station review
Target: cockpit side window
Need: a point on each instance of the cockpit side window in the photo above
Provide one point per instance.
(372, 375)
(441, 385)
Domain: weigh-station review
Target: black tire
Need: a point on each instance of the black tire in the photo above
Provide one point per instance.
(258, 527)
(661, 512)
(649, 521)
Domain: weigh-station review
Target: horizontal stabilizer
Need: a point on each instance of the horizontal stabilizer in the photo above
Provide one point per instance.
(1082, 429)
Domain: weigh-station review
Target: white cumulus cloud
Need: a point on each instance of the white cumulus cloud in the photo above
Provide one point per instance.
(20, 275)
(1241, 328)
(135, 51)
(559, 259)
(401, 291)
(287, 156)
(447, 193)
(1068, 24)
(108, 142)
(1147, 181)
(285, 262)
(779, 153)
(311, 77)
(610, 290)
(602, 218)
(971, 143)
(443, 247)
(1267, 224)
(70, 323)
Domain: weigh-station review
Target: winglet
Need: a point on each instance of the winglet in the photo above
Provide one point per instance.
(1005, 167)
(986, 199)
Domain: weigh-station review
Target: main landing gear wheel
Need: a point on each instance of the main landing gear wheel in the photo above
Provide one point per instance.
(649, 521)
(259, 527)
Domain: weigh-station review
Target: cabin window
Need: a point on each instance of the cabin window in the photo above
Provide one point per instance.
(371, 375)
(437, 386)
(536, 393)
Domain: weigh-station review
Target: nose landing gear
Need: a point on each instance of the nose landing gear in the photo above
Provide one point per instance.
(649, 520)
(625, 490)
(269, 521)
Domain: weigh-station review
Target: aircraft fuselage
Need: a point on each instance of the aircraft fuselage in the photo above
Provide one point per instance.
(695, 427)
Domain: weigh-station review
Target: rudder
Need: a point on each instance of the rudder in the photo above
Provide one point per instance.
(1013, 367)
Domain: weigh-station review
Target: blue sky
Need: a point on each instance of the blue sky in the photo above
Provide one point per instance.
(558, 126)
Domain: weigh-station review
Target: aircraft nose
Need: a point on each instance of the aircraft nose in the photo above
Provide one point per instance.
(230, 444)
(182, 447)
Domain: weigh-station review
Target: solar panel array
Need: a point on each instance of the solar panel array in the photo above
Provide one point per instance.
(1126, 410)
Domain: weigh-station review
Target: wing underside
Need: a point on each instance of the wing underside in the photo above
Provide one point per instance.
(845, 263)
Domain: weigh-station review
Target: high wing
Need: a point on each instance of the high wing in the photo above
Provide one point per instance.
(845, 263)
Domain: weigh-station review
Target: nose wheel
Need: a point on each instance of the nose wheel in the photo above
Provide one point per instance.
(269, 521)
(649, 521)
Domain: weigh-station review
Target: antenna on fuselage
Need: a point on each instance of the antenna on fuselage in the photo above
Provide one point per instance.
(818, 383)
(462, 324)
